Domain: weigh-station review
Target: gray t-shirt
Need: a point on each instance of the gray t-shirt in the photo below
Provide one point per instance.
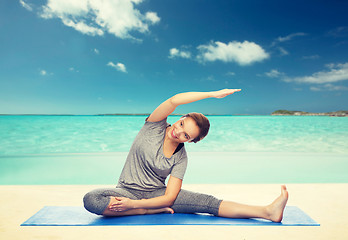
(146, 167)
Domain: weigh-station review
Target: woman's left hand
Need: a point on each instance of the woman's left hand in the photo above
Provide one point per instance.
(224, 92)
(121, 204)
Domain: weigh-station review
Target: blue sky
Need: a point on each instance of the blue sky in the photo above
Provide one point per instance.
(121, 56)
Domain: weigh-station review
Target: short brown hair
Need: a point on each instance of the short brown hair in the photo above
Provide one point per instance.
(202, 123)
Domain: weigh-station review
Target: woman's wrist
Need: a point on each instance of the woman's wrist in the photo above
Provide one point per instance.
(135, 204)
(211, 94)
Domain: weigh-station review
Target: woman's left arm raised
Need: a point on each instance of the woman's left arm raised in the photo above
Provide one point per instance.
(168, 106)
(167, 200)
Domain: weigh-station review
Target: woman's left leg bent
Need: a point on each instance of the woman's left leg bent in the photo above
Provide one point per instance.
(97, 201)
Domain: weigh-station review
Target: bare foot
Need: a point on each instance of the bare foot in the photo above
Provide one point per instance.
(276, 208)
(160, 210)
(168, 210)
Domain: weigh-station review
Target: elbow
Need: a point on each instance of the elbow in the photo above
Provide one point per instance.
(173, 101)
(169, 201)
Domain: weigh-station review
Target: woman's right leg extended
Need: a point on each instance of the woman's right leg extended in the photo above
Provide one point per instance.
(273, 211)
(191, 202)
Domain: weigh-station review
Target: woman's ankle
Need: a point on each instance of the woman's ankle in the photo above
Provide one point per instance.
(143, 211)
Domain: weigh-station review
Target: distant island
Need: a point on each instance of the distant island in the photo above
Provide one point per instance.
(301, 113)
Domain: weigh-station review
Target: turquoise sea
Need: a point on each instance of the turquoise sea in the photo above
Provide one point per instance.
(68, 149)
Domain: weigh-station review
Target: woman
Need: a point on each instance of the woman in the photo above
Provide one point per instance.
(158, 151)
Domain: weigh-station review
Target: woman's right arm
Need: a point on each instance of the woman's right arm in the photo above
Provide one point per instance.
(168, 106)
(125, 204)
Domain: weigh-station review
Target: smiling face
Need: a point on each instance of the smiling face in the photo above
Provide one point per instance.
(183, 130)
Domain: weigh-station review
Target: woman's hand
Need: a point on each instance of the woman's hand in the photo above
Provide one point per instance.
(121, 204)
(224, 92)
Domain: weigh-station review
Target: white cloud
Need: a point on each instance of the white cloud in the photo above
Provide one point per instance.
(288, 37)
(119, 66)
(43, 72)
(283, 52)
(230, 74)
(73, 69)
(291, 36)
(25, 5)
(96, 51)
(83, 27)
(152, 17)
(208, 79)
(174, 52)
(311, 57)
(243, 53)
(335, 73)
(328, 87)
(95, 17)
(274, 73)
(339, 32)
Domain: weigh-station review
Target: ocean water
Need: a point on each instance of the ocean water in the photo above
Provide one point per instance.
(238, 149)
(98, 134)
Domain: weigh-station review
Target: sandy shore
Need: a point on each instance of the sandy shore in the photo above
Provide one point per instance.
(325, 203)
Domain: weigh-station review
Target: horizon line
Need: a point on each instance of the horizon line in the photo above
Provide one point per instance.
(115, 114)
(148, 114)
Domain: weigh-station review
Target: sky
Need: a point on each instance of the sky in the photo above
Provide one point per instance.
(128, 56)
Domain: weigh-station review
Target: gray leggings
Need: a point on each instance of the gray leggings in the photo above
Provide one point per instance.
(98, 200)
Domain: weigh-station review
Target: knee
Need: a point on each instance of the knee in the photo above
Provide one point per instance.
(192, 202)
(88, 200)
(94, 203)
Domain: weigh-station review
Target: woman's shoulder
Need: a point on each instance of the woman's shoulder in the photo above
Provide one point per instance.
(159, 124)
(154, 128)
(149, 121)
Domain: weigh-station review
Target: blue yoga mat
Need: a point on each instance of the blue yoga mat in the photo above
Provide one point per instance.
(78, 216)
